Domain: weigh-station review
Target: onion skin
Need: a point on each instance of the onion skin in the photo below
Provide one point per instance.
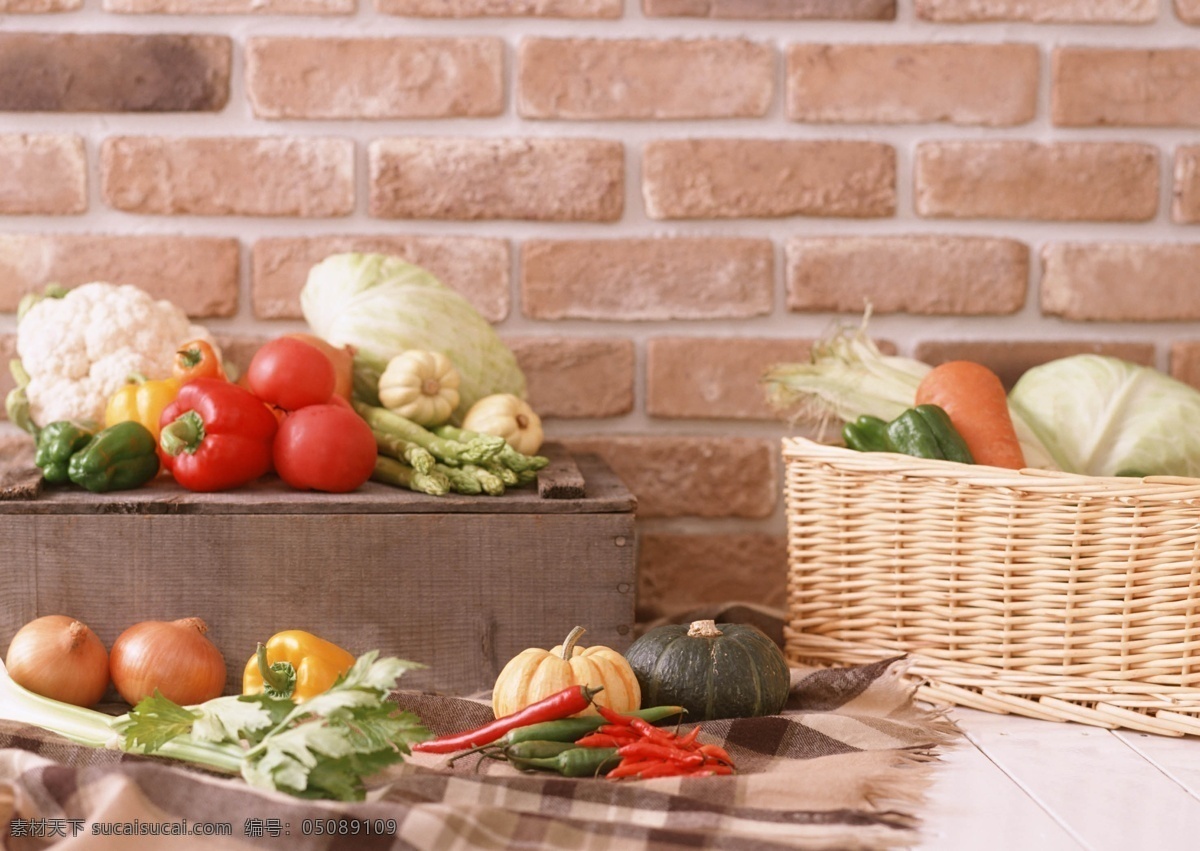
(173, 657)
(60, 658)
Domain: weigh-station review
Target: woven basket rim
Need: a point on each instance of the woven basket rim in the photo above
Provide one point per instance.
(1029, 479)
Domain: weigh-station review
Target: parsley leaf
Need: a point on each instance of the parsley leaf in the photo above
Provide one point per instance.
(154, 722)
(324, 748)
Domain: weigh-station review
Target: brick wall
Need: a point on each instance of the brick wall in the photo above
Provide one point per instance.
(653, 200)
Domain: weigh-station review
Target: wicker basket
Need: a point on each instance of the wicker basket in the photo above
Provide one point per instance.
(1058, 596)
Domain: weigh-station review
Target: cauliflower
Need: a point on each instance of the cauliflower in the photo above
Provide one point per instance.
(80, 348)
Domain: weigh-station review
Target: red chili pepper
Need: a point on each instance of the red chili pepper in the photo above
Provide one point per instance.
(561, 704)
(618, 731)
(649, 731)
(216, 436)
(629, 768)
(613, 717)
(688, 739)
(601, 740)
(709, 771)
(650, 750)
(661, 769)
(717, 752)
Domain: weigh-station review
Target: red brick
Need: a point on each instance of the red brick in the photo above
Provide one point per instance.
(1186, 206)
(926, 275)
(231, 7)
(1064, 181)
(1010, 359)
(714, 378)
(678, 572)
(198, 273)
(647, 279)
(501, 8)
(113, 72)
(375, 77)
(988, 84)
(599, 79)
(38, 7)
(468, 179)
(1185, 362)
(847, 10)
(477, 268)
(237, 350)
(574, 377)
(229, 176)
(1039, 11)
(1188, 11)
(736, 178)
(42, 174)
(1098, 87)
(684, 476)
(1121, 282)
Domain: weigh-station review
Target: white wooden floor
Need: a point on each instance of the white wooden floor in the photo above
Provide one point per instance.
(1019, 784)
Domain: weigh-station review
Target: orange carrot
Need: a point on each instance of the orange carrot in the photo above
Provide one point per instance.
(977, 404)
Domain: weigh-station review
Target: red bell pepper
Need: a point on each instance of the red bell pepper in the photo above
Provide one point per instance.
(216, 436)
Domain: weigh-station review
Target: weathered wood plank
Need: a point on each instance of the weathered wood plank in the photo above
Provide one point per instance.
(461, 593)
(25, 483)
(605, 494)
(19, 478)
(560, 479)
(1178, 759)
(1106, 795)
(974, 805)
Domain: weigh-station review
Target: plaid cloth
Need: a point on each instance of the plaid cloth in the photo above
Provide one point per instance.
(841, 768)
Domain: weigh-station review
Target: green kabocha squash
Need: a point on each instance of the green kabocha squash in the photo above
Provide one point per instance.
(712, 670)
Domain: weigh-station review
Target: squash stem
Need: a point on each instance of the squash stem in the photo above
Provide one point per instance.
(704, 629)
(568, 646)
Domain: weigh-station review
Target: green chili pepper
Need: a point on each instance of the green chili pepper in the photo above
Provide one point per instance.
(568, 730)
(867, 434)
(56, 443)
(573, 762)
(121, 457)
(537, 749)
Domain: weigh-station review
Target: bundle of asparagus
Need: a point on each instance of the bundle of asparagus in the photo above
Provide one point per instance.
(445, 458)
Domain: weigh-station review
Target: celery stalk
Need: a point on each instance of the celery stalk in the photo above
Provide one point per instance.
(98, 730)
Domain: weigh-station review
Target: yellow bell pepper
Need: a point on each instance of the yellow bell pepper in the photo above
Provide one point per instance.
(295, 664)
(141, 401)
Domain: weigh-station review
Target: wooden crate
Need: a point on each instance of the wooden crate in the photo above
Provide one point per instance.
(458, 583)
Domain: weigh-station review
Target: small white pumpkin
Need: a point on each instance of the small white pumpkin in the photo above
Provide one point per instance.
(509, 417)
(421, 386)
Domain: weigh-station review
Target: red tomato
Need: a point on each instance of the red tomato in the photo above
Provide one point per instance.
(291, 374)
(325, 448)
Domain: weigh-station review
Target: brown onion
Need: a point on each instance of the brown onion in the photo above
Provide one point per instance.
(60, 658)
(174, 657)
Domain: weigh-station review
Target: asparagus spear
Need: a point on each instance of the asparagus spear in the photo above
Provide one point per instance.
(417, 457)
(492, 484)
(508, 456)
(450, 452)
(461, 481)
(501, 472)
(392, 472)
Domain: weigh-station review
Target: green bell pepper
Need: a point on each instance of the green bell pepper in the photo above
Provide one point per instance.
(922, 432)
(867, 434)
(122, 457)
(56, 443)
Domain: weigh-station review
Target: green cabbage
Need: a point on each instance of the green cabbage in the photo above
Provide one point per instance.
(1103, 416)
(382, 306)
